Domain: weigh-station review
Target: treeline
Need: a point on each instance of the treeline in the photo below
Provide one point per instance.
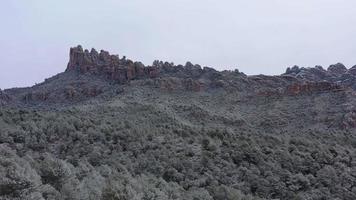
(79, 154)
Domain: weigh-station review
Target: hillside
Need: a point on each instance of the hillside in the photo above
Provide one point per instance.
(111, 128)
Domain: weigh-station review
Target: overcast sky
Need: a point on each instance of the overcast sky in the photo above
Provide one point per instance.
(254, 36)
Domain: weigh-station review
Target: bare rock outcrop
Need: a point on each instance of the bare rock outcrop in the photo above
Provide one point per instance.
(108, 66)
(352, 70)
(123, 70)
(312, 87)
(336, 73)
(302, 88)
(337, 69)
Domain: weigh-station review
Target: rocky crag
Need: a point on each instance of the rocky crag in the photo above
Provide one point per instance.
(337, 73)
(123, 70)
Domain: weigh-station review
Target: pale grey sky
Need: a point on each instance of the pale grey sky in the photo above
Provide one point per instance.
(254, 36)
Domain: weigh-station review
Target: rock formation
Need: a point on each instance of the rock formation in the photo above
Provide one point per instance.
(312, 87)
(123, 70)
(337, 69)
(337, 73)
(108, 66)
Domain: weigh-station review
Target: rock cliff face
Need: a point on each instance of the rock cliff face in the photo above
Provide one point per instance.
(304, 88)
(337, 73)
(109, 66)
(123, 70)
(312, 87)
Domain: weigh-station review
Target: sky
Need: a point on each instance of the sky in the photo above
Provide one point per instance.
(254, 36)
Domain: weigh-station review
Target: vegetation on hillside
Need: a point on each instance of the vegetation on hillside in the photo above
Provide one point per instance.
(179, 146)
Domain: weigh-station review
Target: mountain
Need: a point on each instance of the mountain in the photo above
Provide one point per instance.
(110, 128)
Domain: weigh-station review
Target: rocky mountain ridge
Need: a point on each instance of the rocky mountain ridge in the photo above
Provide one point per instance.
(123, 70)
(91, 74)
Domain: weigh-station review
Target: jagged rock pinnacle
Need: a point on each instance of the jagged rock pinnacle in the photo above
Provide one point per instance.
(107, 65)
(123, 70)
